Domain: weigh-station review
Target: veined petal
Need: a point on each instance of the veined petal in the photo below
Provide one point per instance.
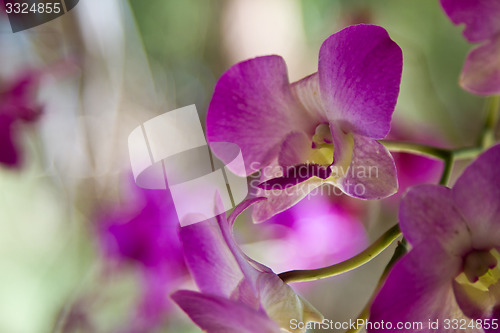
(343, 147)
(227, 277)
(477, 196)
(479, 16)
(371, 173)
(253, 107)
(308, 93)
(419, 289)
(359, 75)
(280, 199)
(427, 211)
(209, 259)
(215, 314)
(295, 149)
(241, 208)
(481, 72)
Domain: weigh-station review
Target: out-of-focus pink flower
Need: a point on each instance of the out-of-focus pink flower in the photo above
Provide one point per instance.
(320, 230)
(143, 234)
(481, 72)
(414, 169)
(17, 105)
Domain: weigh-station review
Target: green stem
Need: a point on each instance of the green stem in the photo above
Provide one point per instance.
(415, 148)
(488, 134)
(401, 249)
(362, 258)
(430, 151)
(467, 153)
(447, 169)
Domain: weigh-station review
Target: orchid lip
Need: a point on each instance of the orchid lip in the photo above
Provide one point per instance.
(297, 174)
(480, 269)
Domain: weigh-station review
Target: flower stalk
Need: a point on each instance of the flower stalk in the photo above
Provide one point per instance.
(401, 250)
(345, 266)
(415, 148)
(492, 115)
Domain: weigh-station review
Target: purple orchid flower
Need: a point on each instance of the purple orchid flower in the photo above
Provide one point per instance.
(236, 294)
(17, 105)
(451, 274)
(481, 72)
(144, 235)
(321, 129)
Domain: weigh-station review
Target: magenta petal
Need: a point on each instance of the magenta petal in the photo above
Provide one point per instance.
(220, 315)
(307, 92)
(359, 75)
(280, 199)
(295, 149)
(9, 155)
(241, 208)
(481, 72)
(427, 211)
(209, 259)
(372, 172)
(418, 289)
(216, 263)
(481, 17)
(477, 195)
(253, 107)
(473, 302)
(495, 315)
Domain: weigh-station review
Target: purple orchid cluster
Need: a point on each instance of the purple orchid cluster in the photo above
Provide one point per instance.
(326, 130)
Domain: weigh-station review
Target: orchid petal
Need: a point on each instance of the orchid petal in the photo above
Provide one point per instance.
(295, 149)
(371, 173)
(479, 16)
(359, 76)
(481, 72)
(209, 259)
(418, 289)
(215, 314)
(473, 302)
(477, 196)
(280, 199)
(428, 212)
(307, 92)
(253, 107)
(241, 208)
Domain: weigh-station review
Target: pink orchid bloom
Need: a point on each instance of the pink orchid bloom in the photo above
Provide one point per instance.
(451, 274)
(321, 129)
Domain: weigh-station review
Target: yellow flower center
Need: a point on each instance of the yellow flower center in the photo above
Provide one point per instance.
(323, 150)
(322, 145)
